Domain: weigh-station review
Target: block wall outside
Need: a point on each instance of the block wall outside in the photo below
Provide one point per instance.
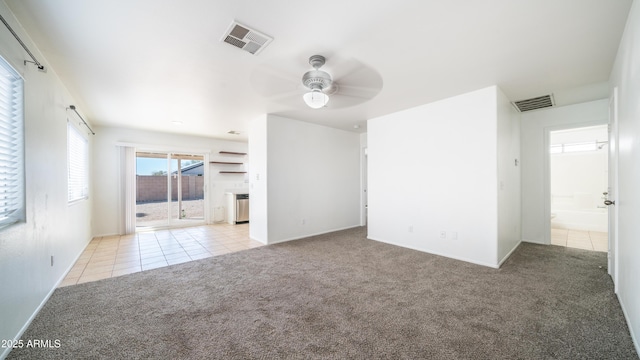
(154, 188)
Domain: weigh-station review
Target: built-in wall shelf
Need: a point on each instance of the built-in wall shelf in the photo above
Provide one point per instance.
(235, 163)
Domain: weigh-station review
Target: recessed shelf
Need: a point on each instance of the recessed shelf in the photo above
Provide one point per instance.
(225, 162)
(232, 153)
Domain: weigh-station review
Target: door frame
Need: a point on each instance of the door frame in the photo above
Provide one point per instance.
(169, 150)
(364, 194)
(614, 141)
(547, 169)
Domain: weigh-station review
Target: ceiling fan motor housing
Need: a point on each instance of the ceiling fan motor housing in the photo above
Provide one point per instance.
(316, 79)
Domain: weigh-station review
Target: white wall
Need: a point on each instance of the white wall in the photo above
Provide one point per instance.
(433, 168)
(535, 126)
(258, 215)
(626, 77)
(312, 176)
(107, 205)
(508, 157)
(52, 227)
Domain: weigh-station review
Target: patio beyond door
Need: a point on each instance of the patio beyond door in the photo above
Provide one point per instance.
(169, 190)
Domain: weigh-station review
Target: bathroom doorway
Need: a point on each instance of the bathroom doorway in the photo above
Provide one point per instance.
(578, 169)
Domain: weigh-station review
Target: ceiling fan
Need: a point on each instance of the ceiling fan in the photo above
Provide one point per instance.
(318, 82)
(345, 83)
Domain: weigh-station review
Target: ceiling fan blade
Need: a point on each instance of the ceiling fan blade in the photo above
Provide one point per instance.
(339, 101)
(357, 91)
(355, 73)
(356, 80)
(274, 83)
(281, 82)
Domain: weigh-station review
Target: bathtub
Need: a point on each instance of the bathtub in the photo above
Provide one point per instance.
(580, 219)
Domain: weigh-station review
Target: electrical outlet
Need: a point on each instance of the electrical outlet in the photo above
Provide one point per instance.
(454, 235)
(410, 228)
(51, 260)
(443, 234)
(304, 221)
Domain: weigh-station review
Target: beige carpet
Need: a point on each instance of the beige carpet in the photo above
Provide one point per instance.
(342, 296)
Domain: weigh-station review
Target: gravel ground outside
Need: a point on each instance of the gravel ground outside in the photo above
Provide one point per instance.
(152, 211)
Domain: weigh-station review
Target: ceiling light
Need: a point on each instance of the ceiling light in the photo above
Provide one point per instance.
(316, 81)
(176, 122)
(316, 99)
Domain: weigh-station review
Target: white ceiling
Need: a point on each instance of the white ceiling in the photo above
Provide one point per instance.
(147, 63)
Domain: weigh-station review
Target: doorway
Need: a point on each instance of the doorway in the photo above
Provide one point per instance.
(364, 199)
(170, 190)
(578, 168)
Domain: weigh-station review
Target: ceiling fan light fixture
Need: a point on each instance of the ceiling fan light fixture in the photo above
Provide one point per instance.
(316, 99)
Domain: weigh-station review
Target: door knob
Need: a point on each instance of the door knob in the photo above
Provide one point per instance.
(609, 202)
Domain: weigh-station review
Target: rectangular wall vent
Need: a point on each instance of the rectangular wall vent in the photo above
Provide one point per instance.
(245, 38)
(535, 103)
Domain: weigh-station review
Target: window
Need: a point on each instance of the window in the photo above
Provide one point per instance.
(575, 147)
(11, 146)
(77, 164)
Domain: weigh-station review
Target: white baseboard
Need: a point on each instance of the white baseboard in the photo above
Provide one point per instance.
(534, 242)
(258, 240)
(310, 235)
(634, 339)
(495, 266)
(24, 328)
(509, 254)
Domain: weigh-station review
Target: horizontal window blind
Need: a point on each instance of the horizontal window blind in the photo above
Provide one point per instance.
(77, 164)
(11, 146)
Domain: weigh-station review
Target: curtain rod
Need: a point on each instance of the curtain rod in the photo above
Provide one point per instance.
(35, 61)
(73, 107)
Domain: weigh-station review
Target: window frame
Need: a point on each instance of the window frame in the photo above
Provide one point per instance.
(75, 137)
(12, 141)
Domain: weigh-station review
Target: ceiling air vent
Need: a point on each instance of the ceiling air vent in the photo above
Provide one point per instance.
(535, 103)
(245, 38)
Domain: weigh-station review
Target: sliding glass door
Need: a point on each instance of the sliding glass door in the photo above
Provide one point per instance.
(169, 190)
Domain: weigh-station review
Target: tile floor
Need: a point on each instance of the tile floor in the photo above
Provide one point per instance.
(587, 240)
(112, 256)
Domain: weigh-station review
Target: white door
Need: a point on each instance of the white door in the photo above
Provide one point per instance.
(613, 187)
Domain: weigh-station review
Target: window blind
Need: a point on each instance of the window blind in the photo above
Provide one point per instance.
(11, 146)
(77, 164)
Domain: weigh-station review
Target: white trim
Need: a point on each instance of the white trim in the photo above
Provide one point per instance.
(310, 235)
(258, 240)
(364, 185)
(547, 170)
(634, 339)
(459, 258)
(613, 183)
(130, 200)
(533, 242)
(506, 257)
(26, 325)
